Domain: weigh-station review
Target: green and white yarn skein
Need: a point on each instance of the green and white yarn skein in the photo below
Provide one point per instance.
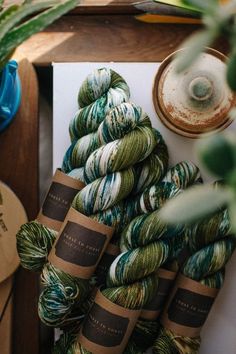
(109, 170)
(112, 176)
(183, 174)
(101, 91)
(211, 245)
(180, 176)
(132, 279)
(148, 172)
(106, 89)
(118, 217)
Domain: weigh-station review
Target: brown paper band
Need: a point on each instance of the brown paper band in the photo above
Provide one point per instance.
(58, 200)
(188, 307)
(80, 245)
(109, 256)
(153, 309)
(107, 327)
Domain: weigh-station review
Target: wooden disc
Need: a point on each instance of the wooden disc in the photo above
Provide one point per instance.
(12, 216)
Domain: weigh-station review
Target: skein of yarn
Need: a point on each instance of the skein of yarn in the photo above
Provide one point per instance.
(132, 279)
(101, 91)
(211, 245)
(111, 176)
(183, 174)
(153, 197)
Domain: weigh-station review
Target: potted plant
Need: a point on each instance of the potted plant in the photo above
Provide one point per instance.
(16, 25)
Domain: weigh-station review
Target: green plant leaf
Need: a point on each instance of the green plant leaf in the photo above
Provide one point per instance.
(193, 47)
(231, 71)
(6, 13)
(218, 154)
(195, 204)
(202, 4)
(15, 14)
(19, 34)
(180, 4)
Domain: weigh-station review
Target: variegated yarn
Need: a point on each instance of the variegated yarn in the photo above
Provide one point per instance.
(132, 279)
(112, 177)
(183, 175)
(109, 169)
(146, 245)
(196, 237)
(211, 245)
(101, 91)
(178, 177)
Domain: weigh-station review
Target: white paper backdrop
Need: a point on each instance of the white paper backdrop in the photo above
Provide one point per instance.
(219, 332)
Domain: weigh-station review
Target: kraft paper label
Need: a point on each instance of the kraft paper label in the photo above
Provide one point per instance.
(80, 245)
(107, 327)
(107, 259)
(60, 195)
(188, 307)
(153, 309)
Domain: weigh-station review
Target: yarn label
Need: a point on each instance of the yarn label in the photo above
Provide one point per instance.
(104, 327)
(58, 200)
(188, 308)
(102, 269)
(80, 245)
(152, 310)
(107, 327)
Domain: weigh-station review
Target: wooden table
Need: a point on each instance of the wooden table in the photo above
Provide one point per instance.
(90, 33)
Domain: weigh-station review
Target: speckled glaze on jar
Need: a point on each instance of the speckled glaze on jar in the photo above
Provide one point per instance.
(196, 101)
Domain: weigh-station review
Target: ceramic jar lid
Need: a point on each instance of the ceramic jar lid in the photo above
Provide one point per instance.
(196, 101)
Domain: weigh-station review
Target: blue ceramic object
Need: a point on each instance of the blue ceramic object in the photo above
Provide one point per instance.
(10, 93)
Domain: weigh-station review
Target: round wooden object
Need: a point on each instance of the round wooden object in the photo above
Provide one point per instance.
(196, 101)
(12, 216)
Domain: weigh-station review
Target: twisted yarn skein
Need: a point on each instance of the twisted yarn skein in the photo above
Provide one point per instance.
(182, 175)
(109, 170)
(106, 89)
(101, 90)
(148, 172)
(111, 174)
(132, 279)
(211, 246)
(153, 197)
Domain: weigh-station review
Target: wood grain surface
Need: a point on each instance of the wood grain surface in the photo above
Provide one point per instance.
(19, 169)
(105, 38)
